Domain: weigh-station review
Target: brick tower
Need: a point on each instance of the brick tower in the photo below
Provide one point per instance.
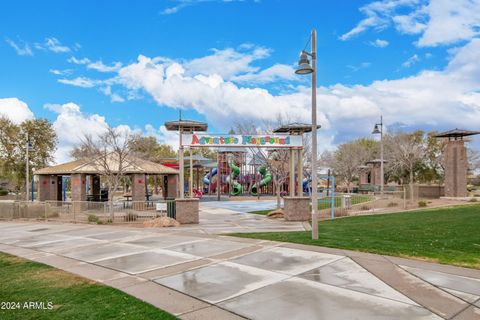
(456, 162)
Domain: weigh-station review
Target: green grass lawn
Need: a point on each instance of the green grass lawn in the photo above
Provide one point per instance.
(447, 235)
(72, 297)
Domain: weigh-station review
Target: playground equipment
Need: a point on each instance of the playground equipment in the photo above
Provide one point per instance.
(197, 193)
(306, 188)
(208, 177)
(267, 177)
(236, 187)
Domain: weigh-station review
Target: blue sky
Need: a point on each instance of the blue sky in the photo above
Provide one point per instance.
(89, 64)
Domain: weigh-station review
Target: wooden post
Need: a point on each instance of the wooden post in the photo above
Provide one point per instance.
(292, 173)
(219, 175)
(190, 182)
(300, 173)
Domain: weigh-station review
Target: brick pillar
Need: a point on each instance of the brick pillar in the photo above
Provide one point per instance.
(44, 187)
(78, 192)
(78, 187)
(363, 177)
(187, 210)
(456, 164)
(53, 186)
(138, 191)
(172, 189)
(297, 208)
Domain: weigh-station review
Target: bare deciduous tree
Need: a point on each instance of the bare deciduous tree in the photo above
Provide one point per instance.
(473, 157)
(347, 159)
(111, 155)
(404, 151)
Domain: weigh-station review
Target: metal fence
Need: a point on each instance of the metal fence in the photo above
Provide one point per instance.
(88, 211)
(349, 204)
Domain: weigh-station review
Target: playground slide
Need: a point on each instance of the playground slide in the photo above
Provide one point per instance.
(305, 185)
(208, 176)
(236, 187)
(267, 177)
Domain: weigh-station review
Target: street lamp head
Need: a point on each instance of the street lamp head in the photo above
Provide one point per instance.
(376, 130)
(304, 66)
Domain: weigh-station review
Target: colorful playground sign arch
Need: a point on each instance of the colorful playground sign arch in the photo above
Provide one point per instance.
(242, 141)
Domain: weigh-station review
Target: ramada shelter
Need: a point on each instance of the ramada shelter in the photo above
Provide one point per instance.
(85, 177)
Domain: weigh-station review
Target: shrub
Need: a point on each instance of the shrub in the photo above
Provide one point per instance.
(422, 204)
(392, 204)
(473, 200)
(131, 216)
(364, 208)
(92, 218)
(3, 192)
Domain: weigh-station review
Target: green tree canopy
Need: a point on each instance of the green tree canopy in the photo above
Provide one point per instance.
(13, 142)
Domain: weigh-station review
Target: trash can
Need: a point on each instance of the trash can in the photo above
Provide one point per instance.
(346, 201)
(171, 208)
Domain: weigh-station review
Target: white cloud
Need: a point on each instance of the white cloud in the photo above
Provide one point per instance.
(361, 66)
(362, 26)
(99, 66)
(79, 82)
(413, 101)
(54, 45)
(163, 136)
(411, 61)
(438, 22)
(210, 95)
(71, 125)
(378, 16)
(379, 43)
(412, 23)
(15, 110)
(114, 97)
(78, 61)
(58, 72)
(21, 51)
(450, 22)
(182, 4)
(226, 63)
(274, 73)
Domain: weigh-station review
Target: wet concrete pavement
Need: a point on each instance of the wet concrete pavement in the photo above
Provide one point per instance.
(198, 275)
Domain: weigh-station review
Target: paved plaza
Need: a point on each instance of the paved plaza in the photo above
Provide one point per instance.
(197, 275)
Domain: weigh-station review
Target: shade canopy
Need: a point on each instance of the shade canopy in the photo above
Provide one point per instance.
(186, 125)
(456, 133)
(94, 166)
(295, 127)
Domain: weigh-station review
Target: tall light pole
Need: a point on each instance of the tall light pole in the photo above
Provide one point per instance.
(305, 68)
(28, 148)
(378, 129)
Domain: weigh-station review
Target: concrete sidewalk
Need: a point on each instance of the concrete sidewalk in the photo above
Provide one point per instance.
(202, 276)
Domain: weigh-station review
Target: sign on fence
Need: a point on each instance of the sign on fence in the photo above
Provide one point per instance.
(161, 206)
